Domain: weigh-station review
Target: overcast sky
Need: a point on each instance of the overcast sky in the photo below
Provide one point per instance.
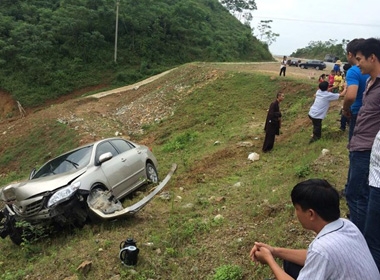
(300, 21)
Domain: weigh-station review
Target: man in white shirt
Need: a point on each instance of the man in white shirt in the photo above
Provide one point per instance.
(339, 250)
(318, 110)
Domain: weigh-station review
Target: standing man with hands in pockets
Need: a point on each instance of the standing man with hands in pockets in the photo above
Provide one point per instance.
(339, 250)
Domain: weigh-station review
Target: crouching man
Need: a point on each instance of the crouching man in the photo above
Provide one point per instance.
(339, 250)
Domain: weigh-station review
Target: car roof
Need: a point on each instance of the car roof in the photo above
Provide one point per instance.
(92, 144)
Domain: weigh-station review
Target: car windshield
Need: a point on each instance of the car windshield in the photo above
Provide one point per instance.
(71, 161)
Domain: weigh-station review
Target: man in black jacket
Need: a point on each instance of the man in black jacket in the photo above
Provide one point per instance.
(272, 123)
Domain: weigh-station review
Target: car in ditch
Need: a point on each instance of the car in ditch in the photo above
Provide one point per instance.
(86, 182)
(316, 64)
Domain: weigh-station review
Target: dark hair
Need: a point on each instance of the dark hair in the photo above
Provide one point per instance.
(368, 47)
(323, 85)
(319, 195)
(352, 46)
(346, 66)
(278, 94)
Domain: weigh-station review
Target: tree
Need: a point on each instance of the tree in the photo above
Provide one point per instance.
(240, 9)
(239, 5)
(318, 49)
(266, 34)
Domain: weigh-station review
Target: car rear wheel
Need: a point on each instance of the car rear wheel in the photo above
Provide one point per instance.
(302, 67)
(317, 68)
(151, 173)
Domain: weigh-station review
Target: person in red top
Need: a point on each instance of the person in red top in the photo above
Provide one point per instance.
(331, 78)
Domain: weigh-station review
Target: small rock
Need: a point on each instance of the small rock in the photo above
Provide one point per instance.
(220, 199)
(85, 267)
(165, 196)
(325, 152)
(188, 206)
(218, 217)
(253, 156)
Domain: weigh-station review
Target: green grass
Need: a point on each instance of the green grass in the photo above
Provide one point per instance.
(214, 177)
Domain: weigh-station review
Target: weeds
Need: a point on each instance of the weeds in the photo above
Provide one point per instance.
(302, 171)
(228, 272)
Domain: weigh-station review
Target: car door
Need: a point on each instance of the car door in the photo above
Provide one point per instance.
(115, 170)
(134, 163)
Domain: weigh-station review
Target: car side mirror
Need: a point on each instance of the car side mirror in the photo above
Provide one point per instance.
(105, 157)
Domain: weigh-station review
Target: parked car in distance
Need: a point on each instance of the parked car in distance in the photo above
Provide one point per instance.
(60, 191)
(331, 58)
(317, 64)
(293, 62)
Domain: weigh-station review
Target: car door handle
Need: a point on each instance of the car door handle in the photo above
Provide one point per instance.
(123, 159)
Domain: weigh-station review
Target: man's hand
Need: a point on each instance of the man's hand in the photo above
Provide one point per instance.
(346, 113)
(261, 252)
(263, 255)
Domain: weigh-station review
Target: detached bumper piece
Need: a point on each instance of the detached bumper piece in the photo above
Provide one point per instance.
(102, 204)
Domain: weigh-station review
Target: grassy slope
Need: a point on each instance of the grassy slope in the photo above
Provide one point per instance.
(188, 242)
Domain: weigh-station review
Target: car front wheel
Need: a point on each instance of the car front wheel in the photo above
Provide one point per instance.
(151, 173)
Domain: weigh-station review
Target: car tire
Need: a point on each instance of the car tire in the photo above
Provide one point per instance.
(317, 68)
(151, 173)
(302, 67)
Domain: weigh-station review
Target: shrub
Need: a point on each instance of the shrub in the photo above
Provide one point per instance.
(228, 272)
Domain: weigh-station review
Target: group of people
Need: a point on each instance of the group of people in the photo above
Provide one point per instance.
(342, 249)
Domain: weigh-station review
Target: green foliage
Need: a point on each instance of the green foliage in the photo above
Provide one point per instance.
(58, 139)
(180, 142)
(30, 235)
(228, 272)
(50, 49)
(239, 5)
(318, 49)
(302, 171)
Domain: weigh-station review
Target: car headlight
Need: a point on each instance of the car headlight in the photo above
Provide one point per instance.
(8, 193)
(63, 194)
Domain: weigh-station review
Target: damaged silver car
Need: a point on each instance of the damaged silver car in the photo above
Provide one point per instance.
(86, 182)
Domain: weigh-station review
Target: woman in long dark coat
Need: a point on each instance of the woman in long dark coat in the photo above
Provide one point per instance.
(272, 123)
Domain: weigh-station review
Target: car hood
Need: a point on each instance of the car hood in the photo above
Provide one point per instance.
(27, 189)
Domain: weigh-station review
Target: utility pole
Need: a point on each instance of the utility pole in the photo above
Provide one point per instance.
(116, 28)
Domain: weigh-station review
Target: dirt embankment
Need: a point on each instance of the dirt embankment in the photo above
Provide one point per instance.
(125, 110)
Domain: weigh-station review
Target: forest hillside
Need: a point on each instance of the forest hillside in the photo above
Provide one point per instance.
(49, 48)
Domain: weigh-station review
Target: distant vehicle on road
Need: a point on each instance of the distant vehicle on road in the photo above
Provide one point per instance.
(293, 62)
(317, 64)
(331, 58)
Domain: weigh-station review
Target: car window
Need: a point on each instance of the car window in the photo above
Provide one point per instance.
(105, 147)
(65, 163)
(122, 145)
